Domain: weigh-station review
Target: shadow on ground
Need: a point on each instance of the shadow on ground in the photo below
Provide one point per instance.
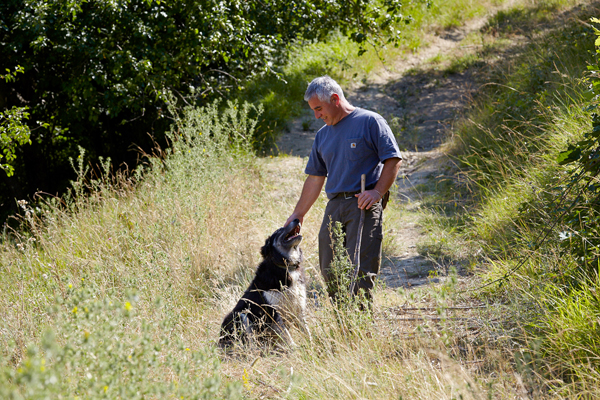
(407, 272)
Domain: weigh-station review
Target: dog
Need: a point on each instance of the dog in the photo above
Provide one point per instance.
(276, 297)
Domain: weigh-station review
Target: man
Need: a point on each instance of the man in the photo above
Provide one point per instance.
(353, 142)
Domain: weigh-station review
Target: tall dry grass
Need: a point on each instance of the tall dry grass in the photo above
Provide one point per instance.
(119, 293)
(118, 290)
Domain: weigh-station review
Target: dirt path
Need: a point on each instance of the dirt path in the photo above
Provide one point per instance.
(419, 107)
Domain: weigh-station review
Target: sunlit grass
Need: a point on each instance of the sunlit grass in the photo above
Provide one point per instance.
(120, 292)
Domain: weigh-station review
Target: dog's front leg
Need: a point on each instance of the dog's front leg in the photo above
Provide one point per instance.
(282, 331)
(248, 328)
(289, 337)
(304, 327)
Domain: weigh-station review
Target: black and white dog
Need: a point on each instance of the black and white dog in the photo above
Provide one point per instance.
(276, 297)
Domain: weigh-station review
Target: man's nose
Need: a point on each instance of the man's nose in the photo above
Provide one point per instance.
(317, 115)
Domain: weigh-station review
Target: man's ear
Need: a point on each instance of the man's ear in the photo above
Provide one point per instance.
(335, 99)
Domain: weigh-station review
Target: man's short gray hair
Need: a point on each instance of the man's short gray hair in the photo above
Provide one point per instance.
(323, 87)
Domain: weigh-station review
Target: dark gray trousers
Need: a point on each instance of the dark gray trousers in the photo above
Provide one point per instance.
(346, 211)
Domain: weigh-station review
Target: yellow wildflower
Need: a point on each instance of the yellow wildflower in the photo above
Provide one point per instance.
(245, 380)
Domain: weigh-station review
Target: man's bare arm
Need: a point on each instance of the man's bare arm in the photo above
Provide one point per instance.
(310, 193)
(391, 166)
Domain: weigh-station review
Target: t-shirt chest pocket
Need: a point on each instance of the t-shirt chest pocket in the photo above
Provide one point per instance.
(355, 149)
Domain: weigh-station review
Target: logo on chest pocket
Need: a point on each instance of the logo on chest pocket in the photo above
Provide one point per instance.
(355, 148)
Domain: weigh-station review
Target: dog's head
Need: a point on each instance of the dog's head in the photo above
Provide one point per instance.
(283, 246)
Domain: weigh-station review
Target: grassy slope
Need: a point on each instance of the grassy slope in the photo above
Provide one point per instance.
(121, 294)
(507, 147)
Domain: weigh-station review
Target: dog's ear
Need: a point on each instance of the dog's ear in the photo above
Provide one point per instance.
(265, 251)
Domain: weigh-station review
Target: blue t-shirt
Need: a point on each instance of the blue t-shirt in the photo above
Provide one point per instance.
(356, 145)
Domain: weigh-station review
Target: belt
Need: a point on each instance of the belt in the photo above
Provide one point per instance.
(350, 195)
(347, 195)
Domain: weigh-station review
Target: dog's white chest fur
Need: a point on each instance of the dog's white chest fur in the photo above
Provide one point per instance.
(291, 302)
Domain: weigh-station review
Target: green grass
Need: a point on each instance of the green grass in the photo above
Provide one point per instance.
(114, 278)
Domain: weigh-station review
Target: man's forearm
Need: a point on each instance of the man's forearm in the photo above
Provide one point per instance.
(391, 166)
(310, 193)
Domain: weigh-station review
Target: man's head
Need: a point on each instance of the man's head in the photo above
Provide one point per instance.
(326, 98)
(323, 87)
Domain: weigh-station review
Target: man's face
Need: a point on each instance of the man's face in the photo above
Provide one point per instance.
(328, 112)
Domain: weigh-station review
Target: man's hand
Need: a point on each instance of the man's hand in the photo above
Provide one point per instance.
(367, 198)
(387, 178)
(293, 217)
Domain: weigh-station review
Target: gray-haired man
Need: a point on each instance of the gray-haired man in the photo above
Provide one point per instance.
(353, 142)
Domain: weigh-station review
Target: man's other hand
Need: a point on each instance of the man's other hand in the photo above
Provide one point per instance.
(367, 198)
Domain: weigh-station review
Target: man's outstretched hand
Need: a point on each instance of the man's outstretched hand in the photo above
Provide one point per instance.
(293, 217)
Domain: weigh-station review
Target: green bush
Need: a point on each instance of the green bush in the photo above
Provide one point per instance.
(96, 73)
(14, 131)
(580, 195)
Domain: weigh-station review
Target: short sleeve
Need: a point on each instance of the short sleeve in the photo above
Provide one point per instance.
(316, 165)
(382, 136)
